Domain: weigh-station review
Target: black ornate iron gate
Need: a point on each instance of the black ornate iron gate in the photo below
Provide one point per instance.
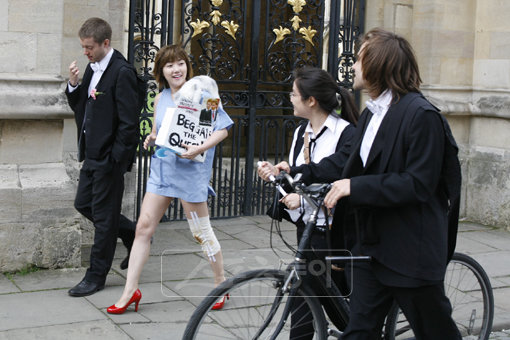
(250, 47)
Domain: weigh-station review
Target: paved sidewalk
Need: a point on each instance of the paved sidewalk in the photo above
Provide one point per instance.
(176, 277)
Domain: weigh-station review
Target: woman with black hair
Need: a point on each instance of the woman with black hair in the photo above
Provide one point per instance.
(331, 116)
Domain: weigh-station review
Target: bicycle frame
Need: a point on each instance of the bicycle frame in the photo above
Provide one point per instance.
(327, 289)
(312, 294)
(293, 279)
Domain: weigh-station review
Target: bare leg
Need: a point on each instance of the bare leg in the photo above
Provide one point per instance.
(153, 208)
(217, 267)
(216, 261)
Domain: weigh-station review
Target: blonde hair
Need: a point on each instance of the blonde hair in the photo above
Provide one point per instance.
(95, 28)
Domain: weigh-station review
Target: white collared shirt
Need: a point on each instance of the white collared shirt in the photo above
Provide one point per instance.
(379, 107)
(96, 76)
(324, 146)
(102, 64)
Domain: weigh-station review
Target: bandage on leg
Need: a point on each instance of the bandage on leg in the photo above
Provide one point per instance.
(204, 234)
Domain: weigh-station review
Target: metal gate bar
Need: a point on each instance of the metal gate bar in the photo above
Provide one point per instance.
(254, 83)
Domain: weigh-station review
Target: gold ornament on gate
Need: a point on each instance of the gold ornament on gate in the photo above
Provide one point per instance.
(295, 22)
(280, 33)
(297, 5)
(215, 17)
(308, 33)
(230, 28)
(198, 27)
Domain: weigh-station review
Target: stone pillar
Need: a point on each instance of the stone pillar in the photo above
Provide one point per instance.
(38, 158)
(38, 224)
(488, 194)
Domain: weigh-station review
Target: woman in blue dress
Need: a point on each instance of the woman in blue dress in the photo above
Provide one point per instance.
(175, 176)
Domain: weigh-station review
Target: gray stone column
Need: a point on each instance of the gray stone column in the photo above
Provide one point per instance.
(38, 223)
(38, 164)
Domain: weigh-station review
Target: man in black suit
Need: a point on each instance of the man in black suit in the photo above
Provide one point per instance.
(396, 199)
(390, 198)
(205, 114)
(106, 111)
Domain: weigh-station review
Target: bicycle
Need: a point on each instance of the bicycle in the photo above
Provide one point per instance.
(262, 301)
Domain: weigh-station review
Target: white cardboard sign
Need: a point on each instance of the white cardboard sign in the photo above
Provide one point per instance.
(192, 121)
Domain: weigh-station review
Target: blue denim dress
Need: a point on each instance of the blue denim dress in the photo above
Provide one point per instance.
(176, 177)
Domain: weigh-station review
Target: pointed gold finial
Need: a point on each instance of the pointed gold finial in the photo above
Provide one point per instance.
(295, 22)
(198, 27)
(308, 33)
(280, 33)
(217, 3)
(230, 28)
(297, 5)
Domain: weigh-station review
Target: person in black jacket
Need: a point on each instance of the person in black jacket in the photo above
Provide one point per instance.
(316, 97)
(389, 198)
(106, 111)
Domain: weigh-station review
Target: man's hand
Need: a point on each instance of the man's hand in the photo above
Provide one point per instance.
(291, 201)
(339, 189)
(74, 72)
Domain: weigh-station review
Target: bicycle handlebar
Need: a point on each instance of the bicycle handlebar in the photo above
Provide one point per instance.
(314, 193)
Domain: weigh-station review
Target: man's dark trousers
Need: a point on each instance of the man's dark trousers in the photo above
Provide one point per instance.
(99, 199)
(426, 308)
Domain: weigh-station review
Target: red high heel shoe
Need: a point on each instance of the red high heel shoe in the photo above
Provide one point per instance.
(221, 302)
(137, 296)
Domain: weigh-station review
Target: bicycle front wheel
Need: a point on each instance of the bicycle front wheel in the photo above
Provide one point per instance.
(469, 290)
(254, 310)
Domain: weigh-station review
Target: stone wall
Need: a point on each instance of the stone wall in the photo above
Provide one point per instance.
(38, 158)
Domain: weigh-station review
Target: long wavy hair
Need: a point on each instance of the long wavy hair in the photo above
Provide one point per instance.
(388, 62)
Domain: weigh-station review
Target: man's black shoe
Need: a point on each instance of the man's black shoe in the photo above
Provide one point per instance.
(124, 264)
(85, 288)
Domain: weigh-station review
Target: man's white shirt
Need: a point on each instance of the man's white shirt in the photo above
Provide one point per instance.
(379, 107)
(98, 68)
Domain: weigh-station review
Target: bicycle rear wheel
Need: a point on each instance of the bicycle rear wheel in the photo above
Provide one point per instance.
(253, 310)
(470, 293)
